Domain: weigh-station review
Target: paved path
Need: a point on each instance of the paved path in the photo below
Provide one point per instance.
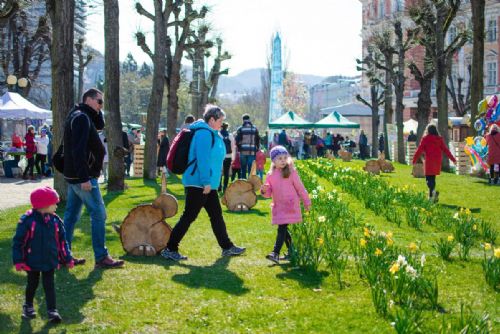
(14, 192)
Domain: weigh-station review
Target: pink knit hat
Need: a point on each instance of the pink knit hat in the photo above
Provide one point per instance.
(43, 197)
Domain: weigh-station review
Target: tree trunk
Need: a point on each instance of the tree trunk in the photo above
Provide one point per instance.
(156, 98)
(173, 99)
(375, 120)
(399, 88)
(477, 74)
(388, 111)
(116, 179)
(62, 15)
(424, 104)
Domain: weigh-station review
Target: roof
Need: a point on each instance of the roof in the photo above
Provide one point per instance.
(336, 120)
(290, 120)
(350, 109)
(15, 106)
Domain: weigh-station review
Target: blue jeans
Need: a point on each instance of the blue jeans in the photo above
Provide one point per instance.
(246, 165)
(260, 174)
(95, 206)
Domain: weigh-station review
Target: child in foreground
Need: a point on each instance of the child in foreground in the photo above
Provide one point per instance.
(39, 247)
(283, 184)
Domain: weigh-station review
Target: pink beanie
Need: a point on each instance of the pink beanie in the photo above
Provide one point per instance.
(43, 197)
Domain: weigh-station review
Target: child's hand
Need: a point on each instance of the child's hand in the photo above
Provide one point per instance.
(70, 264)
(307, 208)
(264, 188)
(22, 266)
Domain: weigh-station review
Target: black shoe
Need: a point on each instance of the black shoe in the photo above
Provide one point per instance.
(235, 250)
(28, 312)
(274, 257)
(54, 316)
(79, 262)
(436, 196)
(172, 255)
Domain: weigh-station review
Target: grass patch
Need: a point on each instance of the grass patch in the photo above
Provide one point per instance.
(210, 294)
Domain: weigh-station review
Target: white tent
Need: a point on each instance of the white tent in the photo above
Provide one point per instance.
(14, 106)
(410, 125)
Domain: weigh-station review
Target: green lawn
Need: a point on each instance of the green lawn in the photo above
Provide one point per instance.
(246, 294)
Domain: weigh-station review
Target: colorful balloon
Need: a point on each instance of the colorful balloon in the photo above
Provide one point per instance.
(492, 101)
(489, 113)
(479, 125)
(482, 106)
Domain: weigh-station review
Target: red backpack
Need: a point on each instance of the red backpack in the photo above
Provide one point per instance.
(178, 155)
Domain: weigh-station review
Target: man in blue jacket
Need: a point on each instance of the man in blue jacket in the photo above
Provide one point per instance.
(201, 181)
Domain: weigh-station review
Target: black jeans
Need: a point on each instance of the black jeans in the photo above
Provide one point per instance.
(40, 163)
(225, 174)
(283, 236)
(236, 173)
(48, 287)
(431, 183)
(29, 168)
(493, 174)
(195, 200)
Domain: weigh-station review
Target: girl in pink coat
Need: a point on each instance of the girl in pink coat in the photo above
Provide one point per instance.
(283, 184)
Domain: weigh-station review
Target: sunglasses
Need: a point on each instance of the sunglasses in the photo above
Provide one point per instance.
(100, 101)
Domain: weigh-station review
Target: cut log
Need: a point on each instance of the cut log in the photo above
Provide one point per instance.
(345, 156)
(418, 170)
(144, 232)
(385, 166)
(372, 167)
(240, 196)
(256, 182)
(168, 204)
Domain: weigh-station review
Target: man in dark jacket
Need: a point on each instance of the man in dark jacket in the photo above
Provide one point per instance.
(83, 158)
(248, 142)
(363, 145)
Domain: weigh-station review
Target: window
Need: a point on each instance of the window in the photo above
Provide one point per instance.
(381, 9)
(399, 5)
(491, 34)
(492, 74)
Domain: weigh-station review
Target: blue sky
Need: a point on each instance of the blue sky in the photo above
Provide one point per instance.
(322, 37)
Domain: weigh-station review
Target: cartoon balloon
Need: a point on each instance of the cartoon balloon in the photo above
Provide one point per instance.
(495, 115)
(482, 106)
(489, 113)
(492, 101)
(479, 125)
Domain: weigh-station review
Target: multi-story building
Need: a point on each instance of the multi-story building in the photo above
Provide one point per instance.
(376, 13)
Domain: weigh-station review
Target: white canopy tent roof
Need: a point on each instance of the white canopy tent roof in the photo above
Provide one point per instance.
(14, 106)
(410, 125)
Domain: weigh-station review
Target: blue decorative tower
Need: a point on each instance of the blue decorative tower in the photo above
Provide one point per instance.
(275, 109)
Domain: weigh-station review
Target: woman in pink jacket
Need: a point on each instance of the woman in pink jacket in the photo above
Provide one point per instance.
(283, 184)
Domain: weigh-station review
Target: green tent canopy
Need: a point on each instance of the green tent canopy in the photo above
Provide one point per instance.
(290, 120)
(335, 120)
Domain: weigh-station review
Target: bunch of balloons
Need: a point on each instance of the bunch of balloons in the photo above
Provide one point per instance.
(489, 114)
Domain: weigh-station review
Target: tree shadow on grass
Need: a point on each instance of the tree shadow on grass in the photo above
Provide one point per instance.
(6, 322)
(215, 277)
(306, 278)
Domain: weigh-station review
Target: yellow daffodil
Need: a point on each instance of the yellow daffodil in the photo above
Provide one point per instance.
(378, 252)
(487, 246)
(496, 252)
(394, 268)
(450, 238)
(467, 212)
(366, 232)
(413, 247)
(474, 227)
(389, 235)
(390, 242)
(362, 242)
(320, 241)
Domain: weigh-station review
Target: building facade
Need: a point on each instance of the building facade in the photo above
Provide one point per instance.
(376, 13)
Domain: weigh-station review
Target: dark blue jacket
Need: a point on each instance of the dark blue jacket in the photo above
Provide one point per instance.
(40, 241)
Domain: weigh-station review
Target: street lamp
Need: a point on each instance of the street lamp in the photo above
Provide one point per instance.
(13, 81)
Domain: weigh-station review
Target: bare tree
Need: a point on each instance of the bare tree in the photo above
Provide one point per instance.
(477, 71)
(461, 102)
(376, 96)
(169, 50)
(83, 61)
(62, 15)
(116, 180)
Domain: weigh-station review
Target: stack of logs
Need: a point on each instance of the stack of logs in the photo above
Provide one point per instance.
(463, 161)
(241, 195)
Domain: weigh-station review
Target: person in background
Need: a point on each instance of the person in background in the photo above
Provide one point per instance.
(235, 165)
(29, 143)
(39, 247)
(260, 162)
(493, 140)
(229, 143)
(329, 142)
(313, 142)
(363, 145)
(126, 146)
(381, 143)
(432, 146)
(164, 147)
(105, 161)
(337, 141)
(42, 144)
(133, 139)
(248, 143)
(188, 120)
(412, 137)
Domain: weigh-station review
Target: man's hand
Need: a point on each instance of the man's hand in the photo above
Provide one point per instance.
(206, 189)
(87, 186)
